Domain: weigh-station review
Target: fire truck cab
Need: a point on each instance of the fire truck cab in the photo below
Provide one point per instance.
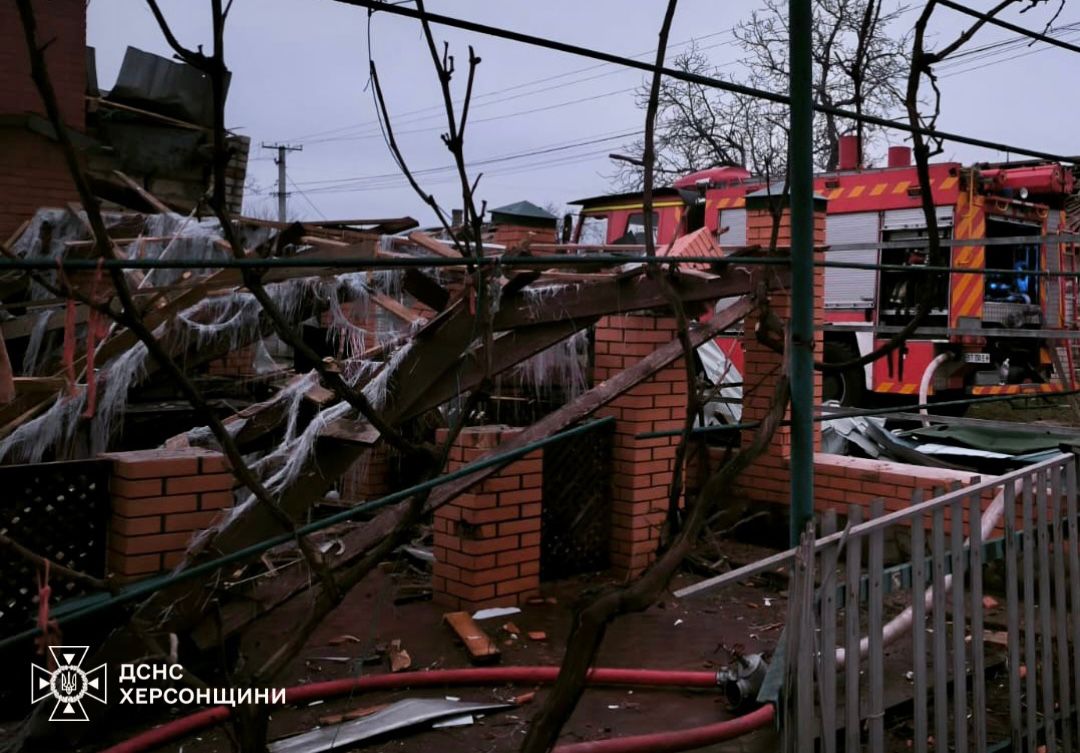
(993, 330)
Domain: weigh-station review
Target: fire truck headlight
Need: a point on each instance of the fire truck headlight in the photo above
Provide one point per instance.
(1024, 193)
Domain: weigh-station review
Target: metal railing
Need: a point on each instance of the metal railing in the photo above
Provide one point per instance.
(928, 671)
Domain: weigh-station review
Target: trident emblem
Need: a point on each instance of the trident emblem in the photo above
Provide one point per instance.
(68, 684)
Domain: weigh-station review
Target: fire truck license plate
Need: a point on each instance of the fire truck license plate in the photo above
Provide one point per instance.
(976, 358)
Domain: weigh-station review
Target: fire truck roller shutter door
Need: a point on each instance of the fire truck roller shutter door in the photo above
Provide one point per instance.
(851, 288)
(908, 219)
(735, 221)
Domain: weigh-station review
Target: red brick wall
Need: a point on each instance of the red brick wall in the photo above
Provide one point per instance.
(62, 25)
(32, 175)
(32, 171)
(238, 363)
(160, 499)
(642, 469)
(368, 478)
(487, 541)
(841, 481)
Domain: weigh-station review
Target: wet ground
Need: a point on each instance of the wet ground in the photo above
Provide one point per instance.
(688, 635)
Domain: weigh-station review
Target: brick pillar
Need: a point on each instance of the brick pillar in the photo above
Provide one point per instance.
(642, 470)
(159, 499)
(238, 363)
(513, 236)
(370, 477)
(769, 479)
(487, 541)
(368, 317)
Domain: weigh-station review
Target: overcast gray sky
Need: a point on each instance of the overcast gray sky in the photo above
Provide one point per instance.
(300, 72)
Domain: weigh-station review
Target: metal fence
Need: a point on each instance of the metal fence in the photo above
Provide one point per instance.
(932, 677)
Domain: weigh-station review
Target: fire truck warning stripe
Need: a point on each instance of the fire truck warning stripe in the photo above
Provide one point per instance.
(962, 288)
(878, 189)
(896, 388)
(970, 305)
(949, 182)
(1015, 389)
(901, 186)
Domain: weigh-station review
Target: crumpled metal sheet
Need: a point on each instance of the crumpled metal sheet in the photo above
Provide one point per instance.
(403, 714)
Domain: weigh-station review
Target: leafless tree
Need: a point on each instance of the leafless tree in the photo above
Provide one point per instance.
(859, 63)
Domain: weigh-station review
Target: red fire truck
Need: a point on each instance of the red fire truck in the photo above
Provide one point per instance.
(989, 333)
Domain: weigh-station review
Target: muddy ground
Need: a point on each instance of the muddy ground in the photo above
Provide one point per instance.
(691, 634)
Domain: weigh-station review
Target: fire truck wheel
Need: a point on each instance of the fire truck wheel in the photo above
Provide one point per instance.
(847, 387)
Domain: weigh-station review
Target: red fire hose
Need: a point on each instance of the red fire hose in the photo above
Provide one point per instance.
(652, 743)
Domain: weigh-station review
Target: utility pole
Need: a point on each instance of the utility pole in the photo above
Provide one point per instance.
(280, 162)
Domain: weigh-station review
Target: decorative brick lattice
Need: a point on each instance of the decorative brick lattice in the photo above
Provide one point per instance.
(576, 517)
(57, 510)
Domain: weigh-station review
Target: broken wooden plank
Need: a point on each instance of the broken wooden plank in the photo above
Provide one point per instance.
(352, 431)
(425, 289)
(35, 385)
(481, 648)
(436, 247)
(24, 325)
(399, 310)
(382, 225)
(159, 206)
(621, 296)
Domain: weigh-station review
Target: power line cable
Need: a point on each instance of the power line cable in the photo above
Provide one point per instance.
(374, 134)
(995, 21)
(953, 72)
(999, 45)
(482, 162)
(450, 176)
(305, 196)
(535, 41)
(498, 92)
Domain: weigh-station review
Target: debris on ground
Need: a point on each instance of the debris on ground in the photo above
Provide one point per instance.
(479, 645)
(399, 657)
(398, 716)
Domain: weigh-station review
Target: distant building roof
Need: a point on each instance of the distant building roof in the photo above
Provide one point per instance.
(524, 209)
